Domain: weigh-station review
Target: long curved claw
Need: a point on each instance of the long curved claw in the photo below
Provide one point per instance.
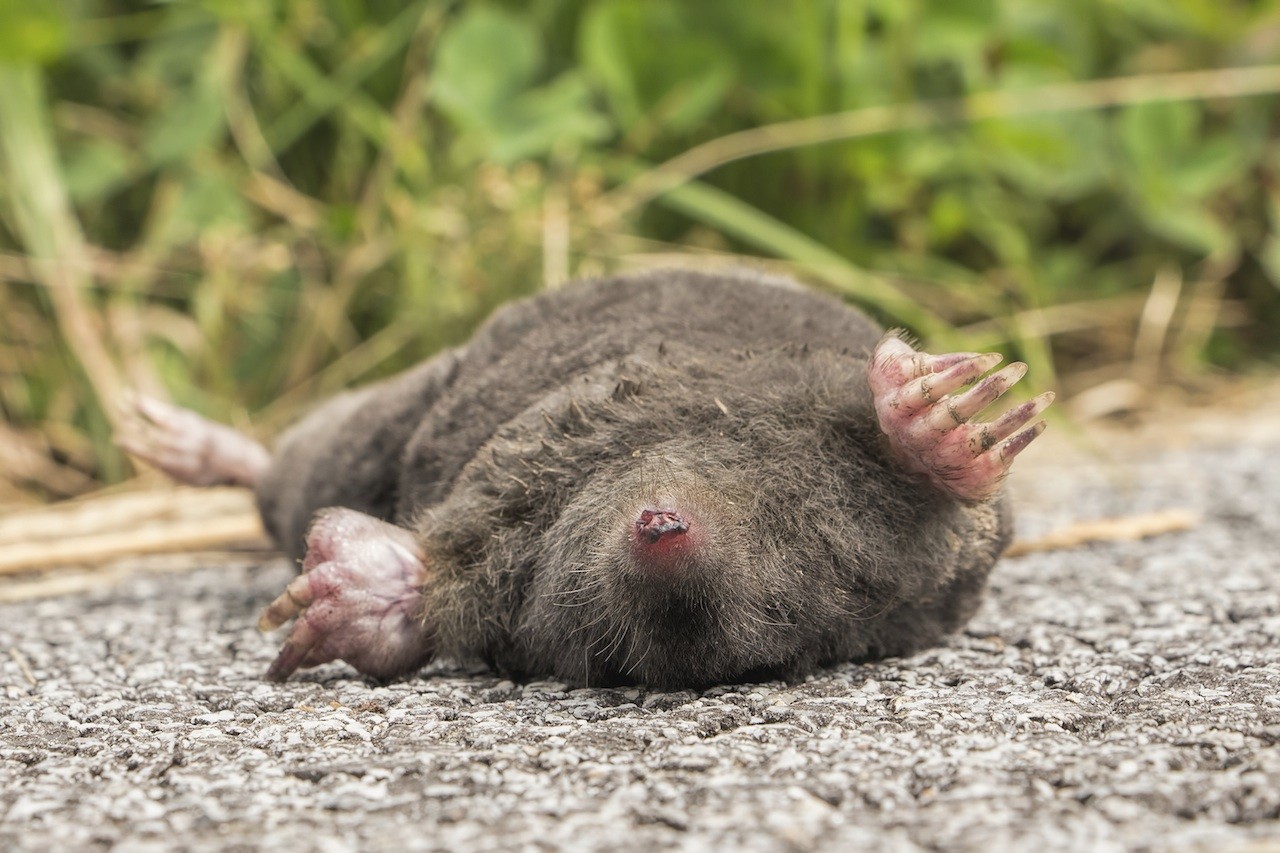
(294, 652)
(1011, 448)
(931, 387)
(1018, 417)
(297, 596)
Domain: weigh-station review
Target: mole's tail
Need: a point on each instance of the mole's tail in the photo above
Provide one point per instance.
(188, 447)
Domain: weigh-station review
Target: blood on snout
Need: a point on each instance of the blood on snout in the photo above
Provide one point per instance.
(663, 540)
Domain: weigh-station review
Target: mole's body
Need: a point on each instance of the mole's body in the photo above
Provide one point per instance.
(671, 478)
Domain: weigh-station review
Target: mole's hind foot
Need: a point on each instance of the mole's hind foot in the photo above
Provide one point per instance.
(925, 415)
(189, 448)
(358, 599)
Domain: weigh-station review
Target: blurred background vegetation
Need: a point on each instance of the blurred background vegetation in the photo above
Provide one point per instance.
(246, 204)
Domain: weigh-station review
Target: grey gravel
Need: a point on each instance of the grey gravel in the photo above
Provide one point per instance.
(1119, 696)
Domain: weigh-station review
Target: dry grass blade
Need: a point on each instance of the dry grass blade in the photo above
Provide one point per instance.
(47, 225)
(555, 238)
(1126, 528)
(201, 535)
(19, 659)
(300, 211)
(733, 216)
(1153, 327)
(124, 530)
(51, 584)
(1066, 97)
(26, 460)
(109, 513)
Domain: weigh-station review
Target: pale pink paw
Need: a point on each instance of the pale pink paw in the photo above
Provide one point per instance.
(189, 448)
(925, 414)
(358, 599)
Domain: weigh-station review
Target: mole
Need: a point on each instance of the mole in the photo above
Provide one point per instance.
(672, 478)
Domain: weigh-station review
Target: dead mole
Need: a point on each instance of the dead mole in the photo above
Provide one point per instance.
(672, 478)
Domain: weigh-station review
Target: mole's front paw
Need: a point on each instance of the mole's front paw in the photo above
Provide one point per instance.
(927, 422)
(358, 599)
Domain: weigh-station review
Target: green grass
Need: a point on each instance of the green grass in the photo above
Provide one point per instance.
(245, 206)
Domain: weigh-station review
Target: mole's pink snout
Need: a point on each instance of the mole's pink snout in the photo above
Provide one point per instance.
(662, 539)
(655, 524)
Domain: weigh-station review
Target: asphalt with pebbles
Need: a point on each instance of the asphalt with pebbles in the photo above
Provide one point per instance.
(1114, 697)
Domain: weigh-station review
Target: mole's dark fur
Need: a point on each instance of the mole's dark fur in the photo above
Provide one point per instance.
(521, 462)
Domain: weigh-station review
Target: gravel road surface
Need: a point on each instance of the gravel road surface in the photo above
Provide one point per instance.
(1119, 696)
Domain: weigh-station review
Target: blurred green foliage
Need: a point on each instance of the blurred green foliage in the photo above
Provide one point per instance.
(252, 203)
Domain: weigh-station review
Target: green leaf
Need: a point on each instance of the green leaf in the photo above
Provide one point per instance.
(190, 122)
(178, 53)
(484, 60)
(1055, 156)
(96, 169)
(689, 103)
(971, 14)
(1155, 135)
(603, 47)
(485, 71)
(1210, 167)
(948, 217)
(1269, 258)
(557, 114)
(32, 31)
(652, 60)
(958, 31)
(210, 197)
(1190, 227)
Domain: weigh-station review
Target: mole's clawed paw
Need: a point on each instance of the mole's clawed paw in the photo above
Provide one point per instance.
(187, 447)
(925, 415)
(358, 599)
